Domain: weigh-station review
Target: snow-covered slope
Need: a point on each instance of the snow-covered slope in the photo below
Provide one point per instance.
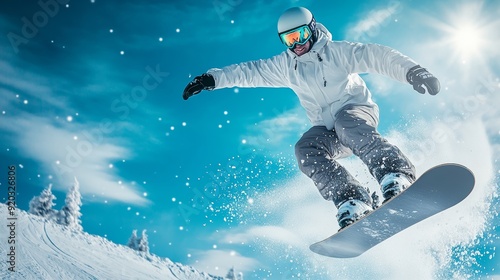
(45, 250)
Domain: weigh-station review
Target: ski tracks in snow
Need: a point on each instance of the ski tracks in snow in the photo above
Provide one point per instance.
(45, 250)
(41, 258)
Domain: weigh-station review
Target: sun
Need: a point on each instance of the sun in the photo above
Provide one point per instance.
(466, 34)
(467, 40)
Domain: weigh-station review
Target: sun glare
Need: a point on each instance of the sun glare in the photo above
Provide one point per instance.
(467, 34)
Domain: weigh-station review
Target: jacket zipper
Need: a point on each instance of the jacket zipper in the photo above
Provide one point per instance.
(321, 67)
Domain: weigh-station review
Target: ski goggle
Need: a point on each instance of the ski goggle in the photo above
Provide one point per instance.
(299, 35)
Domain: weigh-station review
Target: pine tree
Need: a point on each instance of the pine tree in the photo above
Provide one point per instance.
(143, 244)
(133, 240)
(42, 205)
(240, 276)
(70, 213)
(230, 274)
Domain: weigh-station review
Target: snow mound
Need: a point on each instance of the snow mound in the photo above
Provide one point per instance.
(45, 250)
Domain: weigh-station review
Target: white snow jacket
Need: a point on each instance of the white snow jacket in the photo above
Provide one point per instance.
(325, 79)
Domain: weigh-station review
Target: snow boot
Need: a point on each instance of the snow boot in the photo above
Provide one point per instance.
(393, 184)
(351, 211)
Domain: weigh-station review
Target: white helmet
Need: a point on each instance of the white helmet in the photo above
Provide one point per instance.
(296, 17)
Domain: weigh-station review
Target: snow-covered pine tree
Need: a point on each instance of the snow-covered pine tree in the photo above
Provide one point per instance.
(42, 205)
(230, 274)
(143, 244)
(70, 213)
(133, 240)
(240, 276)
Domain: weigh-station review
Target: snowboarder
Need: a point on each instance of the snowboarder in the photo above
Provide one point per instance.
(324, 75)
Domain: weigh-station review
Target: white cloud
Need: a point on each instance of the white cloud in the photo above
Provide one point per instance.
(87, 157)
(383, 87)
(274, 234)
(17, 81)
(370, 24)
(272, 133)
(218, 262)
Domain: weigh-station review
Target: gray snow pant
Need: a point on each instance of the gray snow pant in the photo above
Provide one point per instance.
(355, 131)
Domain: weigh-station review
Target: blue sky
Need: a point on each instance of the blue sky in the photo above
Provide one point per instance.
(93, 90)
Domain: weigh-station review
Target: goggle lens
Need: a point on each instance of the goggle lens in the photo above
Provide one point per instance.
(299, 35)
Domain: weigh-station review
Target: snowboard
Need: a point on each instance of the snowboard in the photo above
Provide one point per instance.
(438, 189)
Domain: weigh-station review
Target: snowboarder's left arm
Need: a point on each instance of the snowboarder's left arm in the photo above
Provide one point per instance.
(374, 58)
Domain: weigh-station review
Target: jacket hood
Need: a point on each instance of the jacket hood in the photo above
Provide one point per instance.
(323, 37)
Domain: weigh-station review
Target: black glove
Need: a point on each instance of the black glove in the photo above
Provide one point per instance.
(199, 83)
(419, 77)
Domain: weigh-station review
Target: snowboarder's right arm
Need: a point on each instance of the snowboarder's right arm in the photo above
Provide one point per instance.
(258, 73)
